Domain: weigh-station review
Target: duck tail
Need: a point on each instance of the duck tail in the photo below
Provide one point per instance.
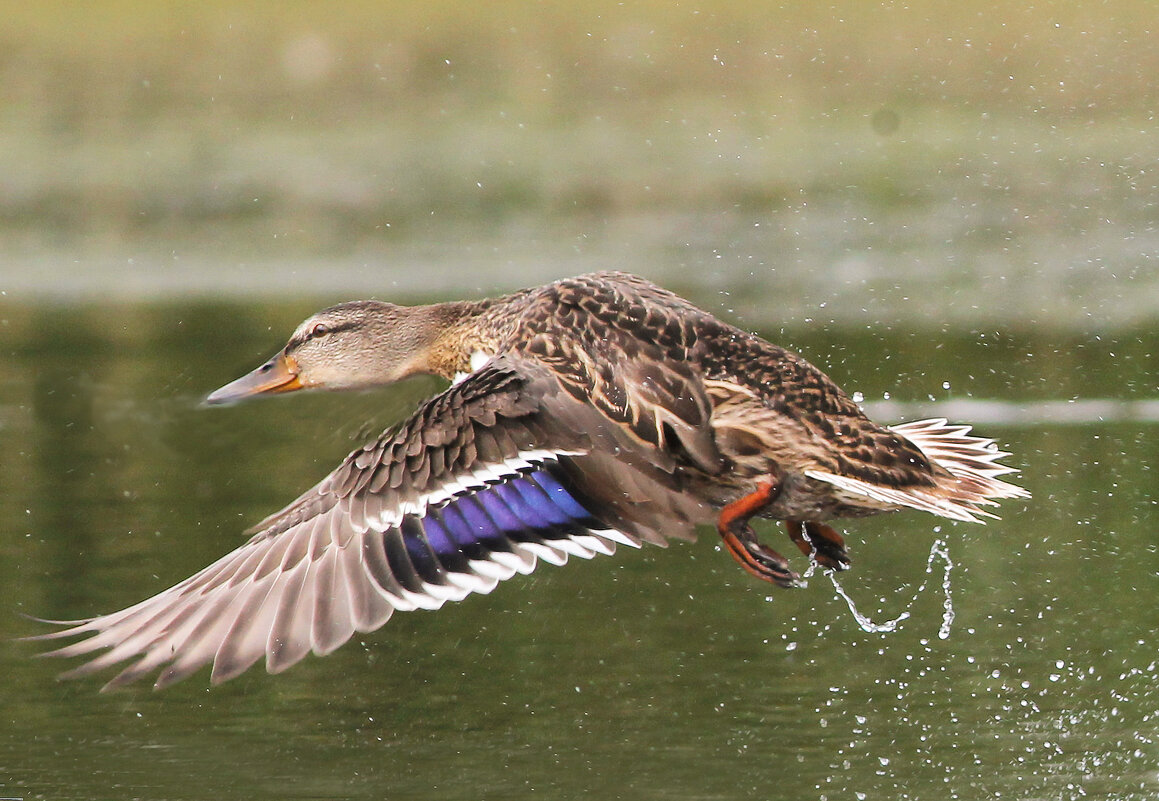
(970, 462)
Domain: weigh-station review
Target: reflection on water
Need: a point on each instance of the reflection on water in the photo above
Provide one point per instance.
(1076, 411)
(653, 674)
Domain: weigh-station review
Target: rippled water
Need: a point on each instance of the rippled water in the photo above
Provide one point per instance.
(1027, 670)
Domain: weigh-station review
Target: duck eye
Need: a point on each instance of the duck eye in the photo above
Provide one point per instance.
(318, 330)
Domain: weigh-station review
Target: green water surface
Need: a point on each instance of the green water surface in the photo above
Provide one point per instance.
(651, 674)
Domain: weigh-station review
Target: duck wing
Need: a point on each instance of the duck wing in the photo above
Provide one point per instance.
(500, 471)
(625, 346)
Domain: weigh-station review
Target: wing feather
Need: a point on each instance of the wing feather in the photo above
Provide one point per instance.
(446, 505)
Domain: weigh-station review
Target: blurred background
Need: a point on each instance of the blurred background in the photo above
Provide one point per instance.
(952, 208)
(996, 159)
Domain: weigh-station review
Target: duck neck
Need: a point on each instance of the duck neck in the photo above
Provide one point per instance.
(460, 330)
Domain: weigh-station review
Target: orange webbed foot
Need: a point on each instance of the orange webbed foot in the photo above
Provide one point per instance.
(820, 542)
(755, 557)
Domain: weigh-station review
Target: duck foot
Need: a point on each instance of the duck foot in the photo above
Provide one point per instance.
(758, 559)
(821, 542)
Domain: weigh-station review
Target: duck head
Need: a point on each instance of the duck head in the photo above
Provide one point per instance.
(352, 345)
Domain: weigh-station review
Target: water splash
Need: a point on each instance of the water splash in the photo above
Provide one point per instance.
(863, 620)
(939, 550)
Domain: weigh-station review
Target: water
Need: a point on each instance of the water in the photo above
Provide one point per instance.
(1028, 672)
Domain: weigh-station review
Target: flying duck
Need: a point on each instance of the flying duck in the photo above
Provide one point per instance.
(592, 412)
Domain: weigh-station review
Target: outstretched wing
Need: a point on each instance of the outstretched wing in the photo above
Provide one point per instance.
(481, 483)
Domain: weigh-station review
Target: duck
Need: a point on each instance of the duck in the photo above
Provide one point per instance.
(593, 412)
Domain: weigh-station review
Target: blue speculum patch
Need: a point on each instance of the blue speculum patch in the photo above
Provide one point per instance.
(532, 506)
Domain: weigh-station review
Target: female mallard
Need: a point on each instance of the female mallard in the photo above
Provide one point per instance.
(592, 411)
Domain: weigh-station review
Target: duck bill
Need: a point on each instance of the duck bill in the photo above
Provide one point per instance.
(279, 374)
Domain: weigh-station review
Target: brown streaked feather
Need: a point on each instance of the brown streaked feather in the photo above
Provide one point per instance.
(784, 396)
(622, 345)
(770, 410)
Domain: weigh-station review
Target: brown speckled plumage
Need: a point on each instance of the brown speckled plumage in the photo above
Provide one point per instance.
(592, 411)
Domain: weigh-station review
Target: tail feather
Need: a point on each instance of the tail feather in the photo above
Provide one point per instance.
(971, 461)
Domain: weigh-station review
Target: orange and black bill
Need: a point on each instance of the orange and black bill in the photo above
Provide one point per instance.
(279, 374)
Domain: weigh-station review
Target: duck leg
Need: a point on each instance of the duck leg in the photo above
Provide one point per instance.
(758, 559)
(820, 542)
